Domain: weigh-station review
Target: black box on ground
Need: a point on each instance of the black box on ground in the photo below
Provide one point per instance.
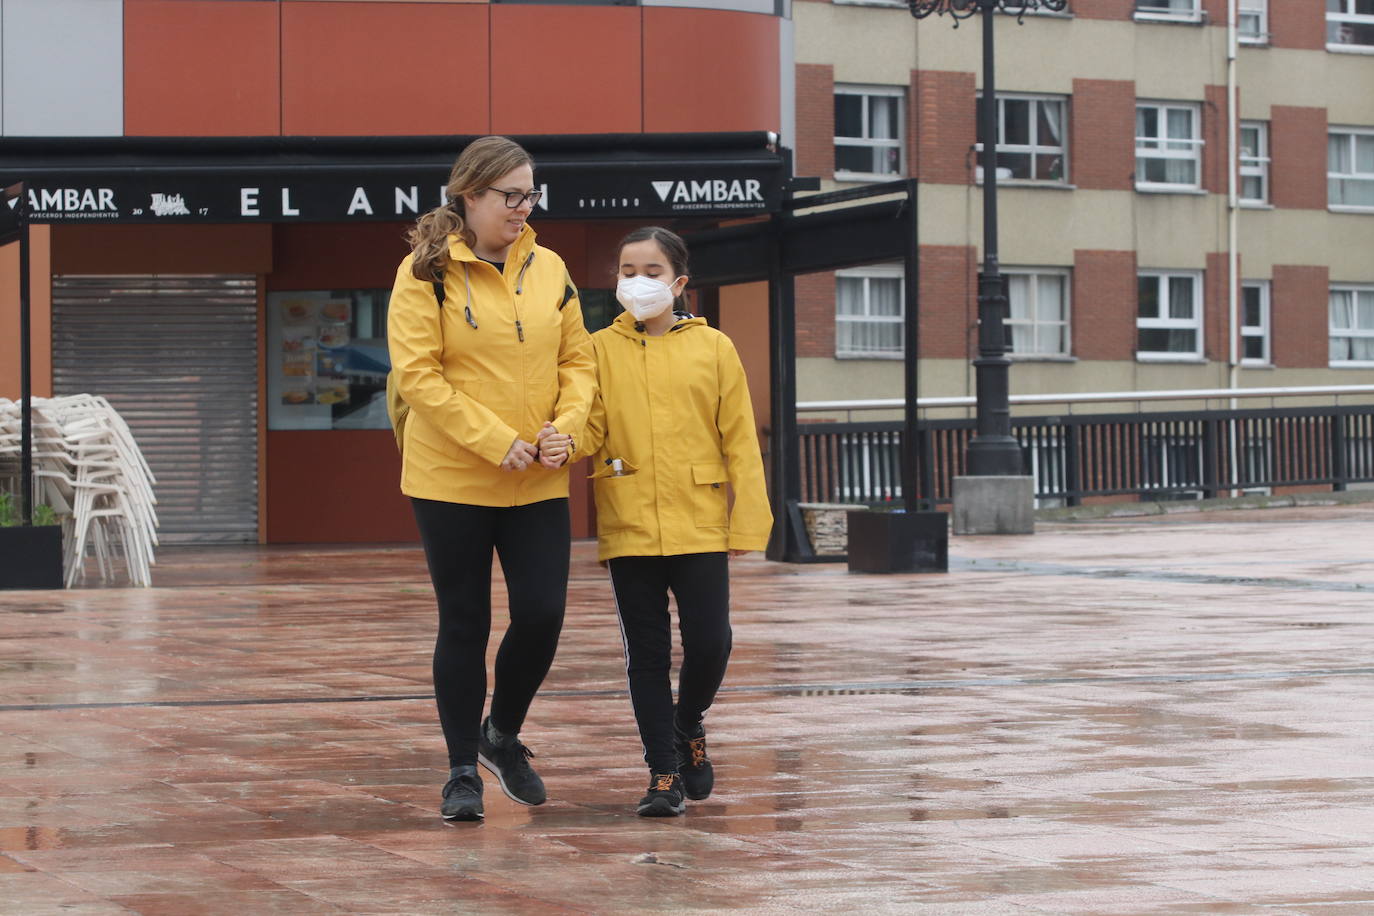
(31, 557)
(882, 542)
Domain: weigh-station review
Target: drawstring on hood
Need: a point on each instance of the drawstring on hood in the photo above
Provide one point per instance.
(467, 309)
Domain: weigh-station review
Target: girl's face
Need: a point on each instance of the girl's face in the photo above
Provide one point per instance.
(646, 259)
(494, 224)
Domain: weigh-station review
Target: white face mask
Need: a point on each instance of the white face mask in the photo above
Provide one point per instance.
(644, 297)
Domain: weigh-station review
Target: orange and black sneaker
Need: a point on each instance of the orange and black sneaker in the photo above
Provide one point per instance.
(698, 777)
(664, 798)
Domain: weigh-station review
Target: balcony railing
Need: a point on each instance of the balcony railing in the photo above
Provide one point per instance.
(1156, 455)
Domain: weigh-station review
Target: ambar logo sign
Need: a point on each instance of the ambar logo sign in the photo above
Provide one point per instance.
(91, 203)
(712, 193)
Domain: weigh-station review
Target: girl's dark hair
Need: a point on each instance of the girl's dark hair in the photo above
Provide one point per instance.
(672, 245)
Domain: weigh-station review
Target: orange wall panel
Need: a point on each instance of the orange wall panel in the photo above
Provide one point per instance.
(565, 69)
(385, 68)
(335, 486)
(210, 68)
(709, 70)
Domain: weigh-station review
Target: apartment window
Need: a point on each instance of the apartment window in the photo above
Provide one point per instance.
(1252, 22)
(1254, 323)
(1169, 316)
(1037, 322)
(1349, 24)
(1352, 326)
(868, 132)
(1168, 10)
(1030, 138)
(868, 312)
(1168, 146)
(1350, 168)
(1254, 162)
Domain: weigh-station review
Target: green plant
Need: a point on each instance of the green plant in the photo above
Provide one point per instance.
(9, 513)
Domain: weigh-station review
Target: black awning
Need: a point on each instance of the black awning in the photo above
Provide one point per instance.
(341, 179)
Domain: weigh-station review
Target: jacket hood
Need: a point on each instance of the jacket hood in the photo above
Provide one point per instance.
(626, 325)
(458, 249)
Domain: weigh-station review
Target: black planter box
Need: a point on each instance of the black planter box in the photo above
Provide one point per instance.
(31, 557)
(882, 542)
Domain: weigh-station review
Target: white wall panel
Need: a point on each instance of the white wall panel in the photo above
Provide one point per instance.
(63, 67)
(768, 7)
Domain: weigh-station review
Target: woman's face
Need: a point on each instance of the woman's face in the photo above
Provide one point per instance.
(647, 259)
(494, 224)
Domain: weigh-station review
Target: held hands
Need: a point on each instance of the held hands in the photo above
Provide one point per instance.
(520, 456)
(551, 449)
(554, 447)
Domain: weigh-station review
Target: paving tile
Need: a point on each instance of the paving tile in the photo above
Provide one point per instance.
(1145, 716)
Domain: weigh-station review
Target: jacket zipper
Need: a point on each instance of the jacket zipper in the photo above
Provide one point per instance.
(519, 290)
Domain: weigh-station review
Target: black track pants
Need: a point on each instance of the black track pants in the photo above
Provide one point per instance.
(532, 542)
(701, 584)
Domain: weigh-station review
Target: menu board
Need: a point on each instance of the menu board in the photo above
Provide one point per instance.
(327, 359)
(314, 340)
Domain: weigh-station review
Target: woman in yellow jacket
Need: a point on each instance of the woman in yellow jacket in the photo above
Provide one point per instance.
(671, 427)
(500, 363)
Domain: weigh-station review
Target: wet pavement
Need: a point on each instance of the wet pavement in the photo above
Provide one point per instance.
(1151, 715)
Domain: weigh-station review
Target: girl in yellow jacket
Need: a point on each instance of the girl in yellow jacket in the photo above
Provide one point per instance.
(501, 362)
(671, 427)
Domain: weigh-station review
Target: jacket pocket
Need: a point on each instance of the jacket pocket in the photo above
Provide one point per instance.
(709, 504)
(617, 502)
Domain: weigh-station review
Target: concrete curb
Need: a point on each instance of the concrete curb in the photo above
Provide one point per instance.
(1128, 510)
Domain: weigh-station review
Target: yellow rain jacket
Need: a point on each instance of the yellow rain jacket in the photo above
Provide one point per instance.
(675, 410)
(506, 353)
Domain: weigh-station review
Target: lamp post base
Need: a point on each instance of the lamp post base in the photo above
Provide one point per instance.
(994, 505)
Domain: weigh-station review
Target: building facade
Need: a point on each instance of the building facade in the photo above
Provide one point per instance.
(1133, 262)
(219, 191)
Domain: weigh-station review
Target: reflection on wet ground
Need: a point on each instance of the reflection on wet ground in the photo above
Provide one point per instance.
(1128, 716)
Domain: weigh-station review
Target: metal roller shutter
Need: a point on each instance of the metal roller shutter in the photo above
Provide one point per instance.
(177, 356)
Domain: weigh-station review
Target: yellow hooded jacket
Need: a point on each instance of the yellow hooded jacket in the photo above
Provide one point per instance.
(473, 390)
(675, 410)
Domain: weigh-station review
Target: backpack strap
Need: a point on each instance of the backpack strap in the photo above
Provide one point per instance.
(439, 290)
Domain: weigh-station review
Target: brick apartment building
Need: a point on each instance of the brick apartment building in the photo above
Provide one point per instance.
(1115, 218)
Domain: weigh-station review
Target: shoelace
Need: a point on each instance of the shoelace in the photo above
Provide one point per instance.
(698, 746)
(519, 754)
(665, 782)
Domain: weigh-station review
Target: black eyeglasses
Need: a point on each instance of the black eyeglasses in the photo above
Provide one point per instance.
(515, 198)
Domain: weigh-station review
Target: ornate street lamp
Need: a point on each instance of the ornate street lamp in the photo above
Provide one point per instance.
(992, 452)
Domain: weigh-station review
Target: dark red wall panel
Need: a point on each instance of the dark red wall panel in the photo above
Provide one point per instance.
(565, 69)
(710, 70)
(209, 68)
(354, 69)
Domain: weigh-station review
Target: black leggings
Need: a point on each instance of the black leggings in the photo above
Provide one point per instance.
(532, 542)
(701, 584)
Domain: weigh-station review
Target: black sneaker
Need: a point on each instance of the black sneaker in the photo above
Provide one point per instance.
(462, 795)
(664, 798)
(508, 761)
(698, 777)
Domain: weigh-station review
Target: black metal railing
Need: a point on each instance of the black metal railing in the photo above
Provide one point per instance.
(1158, 455)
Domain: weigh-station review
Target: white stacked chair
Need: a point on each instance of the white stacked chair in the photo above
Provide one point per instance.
(88, 467)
